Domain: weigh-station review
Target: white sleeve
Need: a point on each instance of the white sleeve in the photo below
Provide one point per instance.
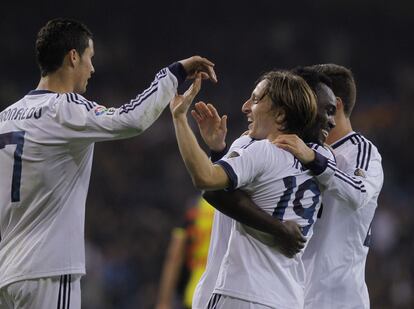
(92, 122)
(356, 184)
(242, 165)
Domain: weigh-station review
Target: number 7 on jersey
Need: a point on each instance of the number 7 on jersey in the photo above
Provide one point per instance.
(14, 138)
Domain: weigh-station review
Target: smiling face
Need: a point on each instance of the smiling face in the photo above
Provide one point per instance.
(260, 112)
(84, 69)
(326, 101)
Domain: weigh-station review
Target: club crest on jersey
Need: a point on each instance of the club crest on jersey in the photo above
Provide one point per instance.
(233, 154)
(99, 110)
(359, 172)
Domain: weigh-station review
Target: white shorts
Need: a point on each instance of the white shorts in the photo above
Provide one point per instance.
(218, 301)
(61, 292)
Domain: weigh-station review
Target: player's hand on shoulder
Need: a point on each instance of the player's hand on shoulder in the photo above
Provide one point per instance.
(296, 146)
(292, 241)
(213, 128)
(198, 64)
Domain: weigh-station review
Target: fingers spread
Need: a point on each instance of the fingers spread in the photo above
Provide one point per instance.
(203, 110)
(196, 116)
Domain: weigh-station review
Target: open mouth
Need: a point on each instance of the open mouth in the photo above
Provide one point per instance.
(250, 121)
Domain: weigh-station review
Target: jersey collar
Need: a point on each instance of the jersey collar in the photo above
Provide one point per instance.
(343, 139)
(34, 92)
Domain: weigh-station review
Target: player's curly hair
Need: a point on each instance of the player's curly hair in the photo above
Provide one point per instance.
(293, 97)
(343, 84)
(56, 39)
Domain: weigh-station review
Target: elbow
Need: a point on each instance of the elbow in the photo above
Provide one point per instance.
(355, 204)
(203, 183)
(200, 184)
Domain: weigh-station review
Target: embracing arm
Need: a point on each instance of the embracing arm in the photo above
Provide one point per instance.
(239, 206)
(357, 185)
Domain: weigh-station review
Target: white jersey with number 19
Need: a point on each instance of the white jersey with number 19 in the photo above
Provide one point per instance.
(277, 182)
(46, 149)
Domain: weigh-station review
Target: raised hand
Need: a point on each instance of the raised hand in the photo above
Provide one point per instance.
(197, 64)
(180, 103)
(213, 128)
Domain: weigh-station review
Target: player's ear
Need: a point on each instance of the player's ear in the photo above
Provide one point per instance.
(339, 104)
(72, 57)
(279, 115)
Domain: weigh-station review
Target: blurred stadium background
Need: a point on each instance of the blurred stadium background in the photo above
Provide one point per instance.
(139, 188)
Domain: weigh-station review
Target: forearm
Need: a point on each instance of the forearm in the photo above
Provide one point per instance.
(357, 191)
(142, 111)
(240, 207)
(202, 171)
(99, 123)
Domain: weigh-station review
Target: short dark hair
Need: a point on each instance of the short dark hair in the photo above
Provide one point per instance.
(56, 39)
(312, 77)
(292, 95)
(315, 80)
(343, 84)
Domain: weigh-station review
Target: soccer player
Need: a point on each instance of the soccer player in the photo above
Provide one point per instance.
(213, 130)
(335, 257)
(186, 257)
(46, 148)
(252, 273)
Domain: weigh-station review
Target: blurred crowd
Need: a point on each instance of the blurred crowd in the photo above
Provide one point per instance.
(139, 188)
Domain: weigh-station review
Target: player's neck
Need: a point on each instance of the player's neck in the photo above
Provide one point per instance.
(59, 82)
(343, 127)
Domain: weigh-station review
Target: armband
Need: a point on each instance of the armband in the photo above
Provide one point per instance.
(318, 165)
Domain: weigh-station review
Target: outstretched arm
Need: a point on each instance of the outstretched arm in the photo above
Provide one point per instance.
(205, 175)
(88, 121)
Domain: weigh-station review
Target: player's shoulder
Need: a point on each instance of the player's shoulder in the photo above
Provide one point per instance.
(76, 100)
(365, 142)
(352, 140)
(261, 145)
(357, 150)
(357, 144)
(243, 141)
(249, 147)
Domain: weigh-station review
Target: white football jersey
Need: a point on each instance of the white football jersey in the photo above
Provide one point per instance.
(46, 149)
(335, 257)
(252, 270)
(220, 234)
